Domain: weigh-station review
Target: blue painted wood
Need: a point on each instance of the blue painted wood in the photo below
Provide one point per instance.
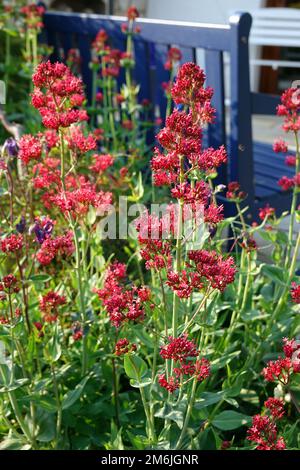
(263, 103)
(241, 158)
(214, 69)
(159, 31)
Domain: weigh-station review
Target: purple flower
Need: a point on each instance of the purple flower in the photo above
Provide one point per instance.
(43, 230)
(20, 226)
(11, 146)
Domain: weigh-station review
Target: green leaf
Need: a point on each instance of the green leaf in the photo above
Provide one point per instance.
(14, 386)
(40, 278)
(275, 273)
(73, 395)
(13, 443)
(208, 398)
(166, 412)
(135, 367)
(45, 426)
(228, 420)
(54, 347)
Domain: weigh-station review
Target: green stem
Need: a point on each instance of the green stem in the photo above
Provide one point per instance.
(81, 298)
(16, 409)
(58, 404)
(293, 206)
(188, 414)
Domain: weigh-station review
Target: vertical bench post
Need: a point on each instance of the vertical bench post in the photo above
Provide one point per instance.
(241, 165)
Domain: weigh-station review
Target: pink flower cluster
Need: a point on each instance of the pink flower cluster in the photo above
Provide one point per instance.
(181, 351)
(264, 430)
(123, 346)
(11, 243)
(209, 271)
(295, 293)
(282, 369)
(122, 304)
(51, 248)
(49, 304)
(56, 94)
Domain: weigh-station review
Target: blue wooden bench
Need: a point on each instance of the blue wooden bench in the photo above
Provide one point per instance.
(254, 165)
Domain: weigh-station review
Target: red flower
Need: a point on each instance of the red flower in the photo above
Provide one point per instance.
(276, 407)
(123, 346)
(174, 55)
(290, 160)
(132, 13)
(266, 212)
(30, 148)
(264, 433)
(101, 163)
(295, 293)
(286, 183)
(170, 385)
(49, 304)
(62, 245)
(211, 266)
(11, 243)
(179, 349)
(234, 193)
(280, 146)
(122, 304)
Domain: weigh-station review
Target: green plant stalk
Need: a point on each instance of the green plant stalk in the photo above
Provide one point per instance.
(285, 292)
(115, 392)
(34, 50)
(17, 412)
(150, 420)
(247, 284)
(81, 299)
(188, 414)
(111, 115)
(58, 404)
(293, 206)
(62, 158)
(178, 252)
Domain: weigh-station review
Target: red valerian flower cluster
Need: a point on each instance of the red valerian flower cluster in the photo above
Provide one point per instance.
(234, 192)
(295, 293)
(56, 94)
(33, 15)
(49, 304)
(30, 148)
(156, 250)
(11, 243)
(211, 271)
(264, 430)
(181, 351)
(282, 369)
(101, 163)
(59, 246)
(266, 212)
(289, 109)
(189, 90)
(77, 202)
(122, 304)
(174, 56)
(123, 346)
(8, 285)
